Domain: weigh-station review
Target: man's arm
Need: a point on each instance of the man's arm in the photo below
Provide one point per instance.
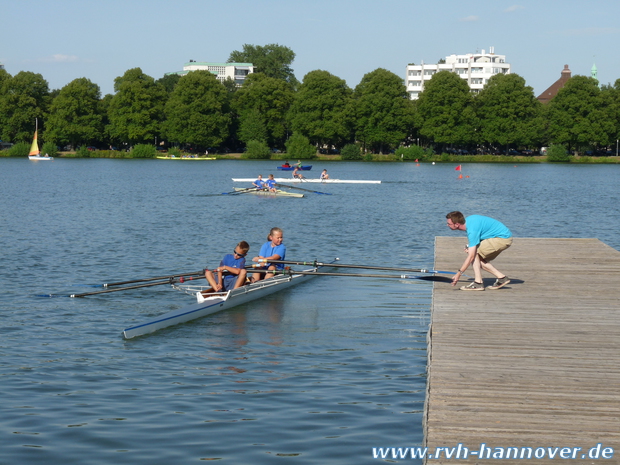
(471, 256)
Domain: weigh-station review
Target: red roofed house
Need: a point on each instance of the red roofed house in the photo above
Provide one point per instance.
(552, 91)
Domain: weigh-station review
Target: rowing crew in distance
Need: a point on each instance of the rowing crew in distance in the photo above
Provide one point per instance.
(269, 184)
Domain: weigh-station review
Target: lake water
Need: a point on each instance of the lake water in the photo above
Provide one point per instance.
(317, 374)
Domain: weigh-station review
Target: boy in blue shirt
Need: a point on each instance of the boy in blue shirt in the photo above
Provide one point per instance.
(487, 238)
(234, 265)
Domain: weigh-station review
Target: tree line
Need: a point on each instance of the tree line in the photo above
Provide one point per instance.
(272, 108)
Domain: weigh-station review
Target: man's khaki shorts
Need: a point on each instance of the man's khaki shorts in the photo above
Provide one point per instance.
(489, 249)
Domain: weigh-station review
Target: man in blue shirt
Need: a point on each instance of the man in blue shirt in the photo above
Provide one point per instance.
(487, 238)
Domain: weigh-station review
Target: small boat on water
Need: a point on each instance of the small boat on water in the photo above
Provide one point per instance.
(292, 168)
(267, 193)
(35, 153)
(209, 302)
(324, 181)
(172, 157)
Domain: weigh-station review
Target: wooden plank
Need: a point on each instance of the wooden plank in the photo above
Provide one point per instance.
(535, 364)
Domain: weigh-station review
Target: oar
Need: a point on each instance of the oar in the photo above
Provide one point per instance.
(365, 267)
(302, 189)
(159, 283)
(357, 275)
(120, 283)
(239, 192)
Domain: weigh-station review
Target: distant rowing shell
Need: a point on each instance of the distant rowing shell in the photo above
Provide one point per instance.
(292, 168)
(324, 181)
(277, 193)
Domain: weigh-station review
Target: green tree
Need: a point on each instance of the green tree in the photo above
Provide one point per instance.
(74, 114)
(4, 76)
(611, 96)
(384, 113)
(252, 127)
(136, 110)
(273, 60)
(169, 81)
(23, 98)
(258, 150)
(298, 146)
(557, 153)
(508, 113)
(323, 110)
(198, 111)
(577, 115)
(143, 151)
(272, 98)
(444, 112)
(351, 152)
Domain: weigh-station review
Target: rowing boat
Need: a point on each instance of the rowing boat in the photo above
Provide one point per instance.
(324, 181)
(184, 158)
(292, 168)
(212, 302)
(277, 193)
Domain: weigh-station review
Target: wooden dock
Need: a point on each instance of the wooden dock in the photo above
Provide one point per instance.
(533, 365)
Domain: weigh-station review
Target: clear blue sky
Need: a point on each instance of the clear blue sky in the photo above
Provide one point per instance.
(101, 39)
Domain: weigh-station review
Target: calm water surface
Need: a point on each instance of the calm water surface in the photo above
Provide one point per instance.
(318, 374)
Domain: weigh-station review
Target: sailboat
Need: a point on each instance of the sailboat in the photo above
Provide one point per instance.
(35, 153)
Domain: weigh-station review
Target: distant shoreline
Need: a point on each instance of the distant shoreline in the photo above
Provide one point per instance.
(442, 158)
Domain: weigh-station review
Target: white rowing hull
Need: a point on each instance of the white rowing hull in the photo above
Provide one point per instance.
(217, 303)
(39, 157)
(322, 181)
(277, 193)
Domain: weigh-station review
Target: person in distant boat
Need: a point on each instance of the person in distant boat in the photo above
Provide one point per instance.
(273, 249)
(487, 238)
(297, 173)
(259, 183)
(270, 183)
(298, 164)
(324, 175)
(234, 266)
(286, 165)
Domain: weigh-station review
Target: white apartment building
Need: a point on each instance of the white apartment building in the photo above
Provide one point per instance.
(476, 68)
(235, 71)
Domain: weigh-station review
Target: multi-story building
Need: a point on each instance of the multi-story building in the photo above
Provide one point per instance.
(475, 68)
(235, 71)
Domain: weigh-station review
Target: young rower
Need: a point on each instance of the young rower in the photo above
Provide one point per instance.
(273, 249)
(259, 183)
(234, 265)
(270, 183)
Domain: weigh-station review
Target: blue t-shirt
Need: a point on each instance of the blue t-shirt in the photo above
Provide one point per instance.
(270, 183)
(267, 250)
(259, 183)
(231, 261)
(481, 227)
